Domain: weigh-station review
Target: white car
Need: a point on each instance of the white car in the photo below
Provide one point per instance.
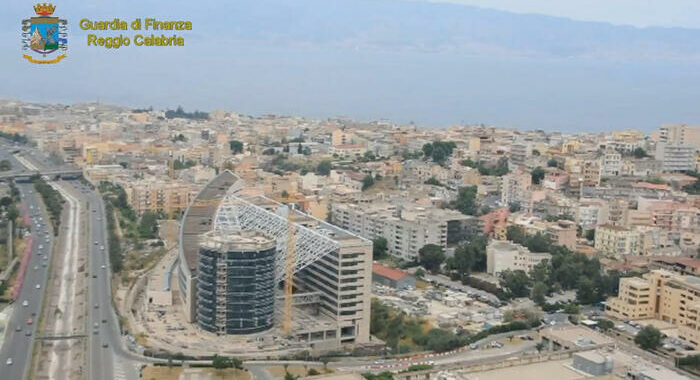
(25, 303)
(9, 361)
(38, 286)
(103, 267)
(102, 247)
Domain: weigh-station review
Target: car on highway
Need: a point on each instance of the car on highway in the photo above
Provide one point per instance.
(38, 286)
(102, 247)
(105, 345)
(9, 361)
(30, 321)
(25, 303)
(96, 243)
(103, 267)
(28, 333)
(97, 306)
(18, 328)
(36, 267)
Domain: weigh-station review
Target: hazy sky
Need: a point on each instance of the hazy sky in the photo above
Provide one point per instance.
(679, 13)
(435, 64)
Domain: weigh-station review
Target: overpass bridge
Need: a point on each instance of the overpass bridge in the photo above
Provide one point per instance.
(26, 174)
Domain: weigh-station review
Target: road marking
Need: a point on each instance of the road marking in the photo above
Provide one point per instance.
(119, 373)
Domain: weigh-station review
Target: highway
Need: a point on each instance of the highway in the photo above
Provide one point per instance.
(106, 359)
(20, 336)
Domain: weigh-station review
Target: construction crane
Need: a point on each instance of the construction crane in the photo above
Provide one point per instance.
(290, 263)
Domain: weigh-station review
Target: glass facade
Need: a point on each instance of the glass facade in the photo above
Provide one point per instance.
(236, 290)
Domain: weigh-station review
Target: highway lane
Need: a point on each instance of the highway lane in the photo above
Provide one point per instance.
(106, 357)
(20, 337)
(100, 358)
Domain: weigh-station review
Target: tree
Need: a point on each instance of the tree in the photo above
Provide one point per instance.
(379, 248)
(590, 234)
(12, 213)
(300, 149)
(433, 181)
(541, 272)
(605, 324)
(470, 257)
(539, 292)
(540, 346)
(431, 256)
(5, 201)
(222, 362)
(323, 168)
(586, 292)
(367, 182)
(648, 338)
(537, 175)
(552, 163)
(236, 146)
(516, 283)
(514, 207)
(149, 225)
(639, 153)
(312, 372)
(466, 200)
(439, 150)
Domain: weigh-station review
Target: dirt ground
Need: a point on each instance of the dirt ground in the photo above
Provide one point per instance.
(165, 373)
(296, 370)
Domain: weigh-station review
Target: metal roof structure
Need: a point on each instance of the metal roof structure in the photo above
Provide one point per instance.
(313, 237)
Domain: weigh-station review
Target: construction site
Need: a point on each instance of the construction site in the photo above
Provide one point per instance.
(254, 278)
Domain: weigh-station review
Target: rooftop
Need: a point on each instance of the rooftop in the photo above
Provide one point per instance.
(388, 272)
(198, 217)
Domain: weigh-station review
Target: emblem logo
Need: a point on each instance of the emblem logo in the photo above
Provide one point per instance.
(44, 38)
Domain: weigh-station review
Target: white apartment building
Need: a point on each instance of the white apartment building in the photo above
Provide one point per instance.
(515, 188)
(406, 229)
(592, 213)
(505, 255)
(675, 157)
(616, 240)
(611, 163)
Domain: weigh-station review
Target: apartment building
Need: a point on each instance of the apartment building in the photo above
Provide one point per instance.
(592, 213)
(555, 179)
(519, 153)
(159, 195)
(611, 163)
(675, 157)
(406, 228)
(506, 255)
(680, 134)
(340, 137)
(663, 295)
(516, 189)
(615, 240)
